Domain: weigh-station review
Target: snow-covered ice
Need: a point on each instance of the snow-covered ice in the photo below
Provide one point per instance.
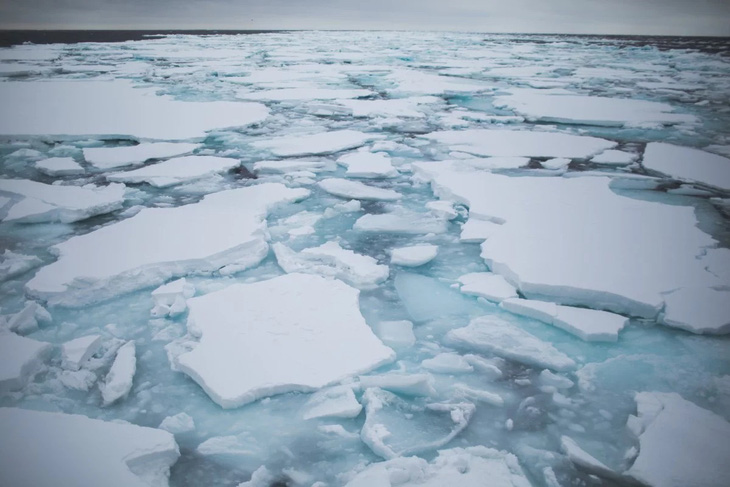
(401, 222)
(364, 164)
(615, 158)
(170, 298)
(688, 164)
(13, 264)
(48, 448)
(487, 285)
(59, 166)
(413, 256)
(178, 424)
(248, 349)
(77, 351)
(113, 157)
(322, 143)
(20, 359)
(176, 171)
(333, 402)
(118, 381)
(699, 310)
(357, 190)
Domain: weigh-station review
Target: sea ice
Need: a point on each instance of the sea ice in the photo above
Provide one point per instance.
(413, 256)
(322, 143)
(113, 157)
(465, 467)
(59, 166)
(176, 171)
(291, 165)
(476, 230)
(583, 459)
(13, 264)
(51, 202)
(178, 424)
(364, 164)
(333, 402)
(286, 94)
(49, 449)
(356, 190)
(556, 163)
(331, 260)
(224, 228)
(170, 298)
(27, 319)
(494, 335)
(248, 349)
(401, 221)
(487, 285)
(512, 143)
(699, 310)
(404, 384)
(395, 334)
(680, 443)
(689, 164)
(118, 381)
(588, 324)
(20, 359)
(75, 352)
(426, 298)
(448, 363)
(615, 158)
(398, 107)
(115, 108)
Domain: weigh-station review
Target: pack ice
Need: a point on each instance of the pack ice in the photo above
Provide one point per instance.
(248, 349)
(223, 228)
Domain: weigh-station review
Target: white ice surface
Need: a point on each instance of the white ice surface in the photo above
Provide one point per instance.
(333, 402)
(77, 351)
(322, 143)
(588, 324)
(463, 467)
(176, 171)
(357, 190)
(249, 349)
(487, 285)
(114, 157)
(287, 94)
(20, 360)
(512, 143)
(447, 363)
(398, 107)
(224, 228)
(52, 449)
(581, 222)
(291, 165)
(13, 264)
(170, 298)
(41, 202)
(491, 334)
(680, 443)
(59, 166)
(118, 381)
(557, 163)
(615, 157)
(686, 163)
(699, 310)
(401, 221)
(178, 424)
(114, 108)
(591, 110)
(27, 319)
(364, 164)
(413, 256)
(477, 230)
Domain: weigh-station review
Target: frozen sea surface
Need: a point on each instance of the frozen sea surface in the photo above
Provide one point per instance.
(365, 259)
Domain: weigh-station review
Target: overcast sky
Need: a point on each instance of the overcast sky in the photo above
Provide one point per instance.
(673, 17)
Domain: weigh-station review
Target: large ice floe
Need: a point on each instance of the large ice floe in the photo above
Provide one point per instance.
(176, 171)
(48, 448)
(225, 228)
(688, 164)
(114, 157)
(314, 336)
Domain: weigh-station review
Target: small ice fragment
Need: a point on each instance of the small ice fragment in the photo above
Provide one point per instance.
(75, 352)
(443, 209)
(584, 460)
(170, 298)
(556, 163)
(401, 221)
(365, 164)
(487, 285)
(479, 395)
(448, 363)
(114, 157)
(20, 359)
(406, 384)
(178, 424)
(59, 166)
(27, 320)
(413, 256)
(615, 158)
(356, 190)
(118, 381)
(334, 402)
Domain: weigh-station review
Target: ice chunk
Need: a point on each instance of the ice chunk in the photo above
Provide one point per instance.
(27, 319)
(14, 264)
(448, 363)
(75, 352)
(323, 143)
(463, 390)
(79, 380)
(396, 334)
(224, 228)
(387, 433)
(364, 164)
(262, 477)
(406, 384)
(178, 424)
(176, 171)
(464, 467)
(114, 157)
(333, 402)
(583, 220)
(50, 202)
(329, 259)
(615, 158)
(680, 443)
(356, 190)
(558, 163)
(487, 285)
(20, 359)
(699, 310)
(588, 324)
(443, 209)
(500, 143)
(477, 230)
(59, 166)
(286, 94)
(118, 381)
(590, 110)
(290, 165)
(401, 221)
(688, 164)
(583, 459)
(250, 349)
(426, 298)
(43, 449)
(398, 107)
(413, 256)
(494, 335)
(115, 108)
(170, 298)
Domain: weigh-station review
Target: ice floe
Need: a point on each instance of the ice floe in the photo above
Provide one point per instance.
(333, 402)
(404, 384)
(357, 190)
(698, 309)
(113, 157)
(46, 450)
(615, 158)
(225, 228)
(77, 351)
(118, 381)
(487, 285)
(448, 363)
(28, 319)
(322, 143)
(178, 424)
(414, 256)
(688, 164)
(291, 165)
(399, 107)
(329, 259)
(37, 202)
(59, 166)
(504, 339)
(170, 298)
(13, 264)
(248, 349)
(20, 359)
(364, 164)
(285, 94)
(401, 221)
(115, 108)
(176, 171)
(680, 443)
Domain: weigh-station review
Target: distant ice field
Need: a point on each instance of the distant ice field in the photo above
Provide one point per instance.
(365, 259)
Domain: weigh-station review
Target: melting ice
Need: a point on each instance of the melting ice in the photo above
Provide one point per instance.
(365, 259)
